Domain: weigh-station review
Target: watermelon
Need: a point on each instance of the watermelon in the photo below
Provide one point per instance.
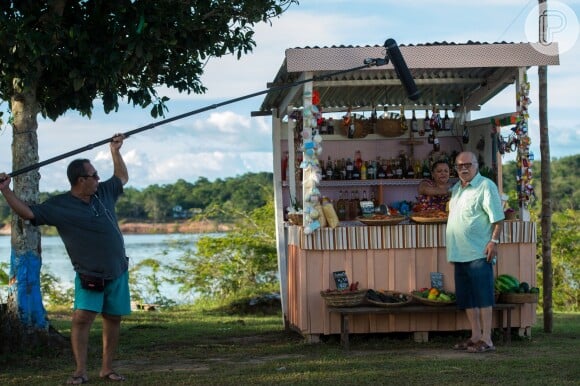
(506, 283)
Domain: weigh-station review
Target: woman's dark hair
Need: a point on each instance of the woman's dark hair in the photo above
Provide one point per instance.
(76, 169)
(438, 162)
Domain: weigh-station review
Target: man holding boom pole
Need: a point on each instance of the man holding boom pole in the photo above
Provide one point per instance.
(86, 221)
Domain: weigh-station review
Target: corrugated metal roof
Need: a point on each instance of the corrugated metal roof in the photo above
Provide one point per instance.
(450, 75)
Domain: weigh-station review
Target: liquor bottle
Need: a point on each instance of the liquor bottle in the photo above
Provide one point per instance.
(342, 169)
(398, 169)
(426, 124)
(447, 122)
(389, 171)
(322, 170)
(337, 175)
(381, 172)
(371, 171)
(329, 170)
(357, 165)
(363, 171)
(349, 169)
(414, 123)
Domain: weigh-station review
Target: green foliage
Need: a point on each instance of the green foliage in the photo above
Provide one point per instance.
(157, 202)
(241, 261)
(70, 53)
(565, 261)
(565, 183)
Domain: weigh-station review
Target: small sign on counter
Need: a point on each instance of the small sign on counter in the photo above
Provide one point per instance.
(437, 280)
(341, 280)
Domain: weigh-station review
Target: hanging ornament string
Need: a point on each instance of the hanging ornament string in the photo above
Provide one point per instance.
(525, 157)
(312, 149)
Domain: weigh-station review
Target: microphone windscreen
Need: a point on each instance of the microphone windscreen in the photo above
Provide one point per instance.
(401, 69)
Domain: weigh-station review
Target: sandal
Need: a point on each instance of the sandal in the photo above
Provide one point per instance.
(77, 380)
(480, 347)
(464, 345)
(113, 377)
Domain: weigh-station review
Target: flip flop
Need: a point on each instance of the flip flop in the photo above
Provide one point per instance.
(481, 347)
(464, 345)
(77, 380)
(113, 377)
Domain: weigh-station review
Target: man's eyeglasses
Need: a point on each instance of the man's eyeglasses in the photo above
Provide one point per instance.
(94, 175)
(463, 166)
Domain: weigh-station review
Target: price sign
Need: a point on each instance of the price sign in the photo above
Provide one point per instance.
(341, 280)
(437, 280)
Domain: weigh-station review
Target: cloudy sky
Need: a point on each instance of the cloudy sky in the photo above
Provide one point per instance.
(227, 142)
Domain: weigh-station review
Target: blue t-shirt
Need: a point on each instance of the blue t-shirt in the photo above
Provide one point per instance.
(89, 231)
(472, 211)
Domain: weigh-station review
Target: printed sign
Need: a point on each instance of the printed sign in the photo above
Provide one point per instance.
(341, 280)
(437, 280)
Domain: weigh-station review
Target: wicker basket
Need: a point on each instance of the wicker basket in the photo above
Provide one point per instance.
(518, 298)
(295, 218)
(344, 298)
(408, 299)
(389, 127)
(361, 130)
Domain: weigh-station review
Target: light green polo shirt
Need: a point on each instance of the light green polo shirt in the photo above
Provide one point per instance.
(472, 211)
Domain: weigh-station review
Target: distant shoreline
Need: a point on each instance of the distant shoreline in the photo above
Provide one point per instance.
(160, 228)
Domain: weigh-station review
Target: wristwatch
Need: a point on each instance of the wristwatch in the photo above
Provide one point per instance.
(495, 241)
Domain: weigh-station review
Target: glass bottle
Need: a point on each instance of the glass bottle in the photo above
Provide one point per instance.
(349, 169)
(414, 123)
(329, 170)
(363, 171)
(389, 171)
(381, 173)
(426, 123)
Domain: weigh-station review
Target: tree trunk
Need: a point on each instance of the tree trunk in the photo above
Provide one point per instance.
(25, 258)
(545, 171)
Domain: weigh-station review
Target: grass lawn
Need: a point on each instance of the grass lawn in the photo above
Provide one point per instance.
(193, 346)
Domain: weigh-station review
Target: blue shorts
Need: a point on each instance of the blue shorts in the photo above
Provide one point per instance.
(114, 300)
(474, 284)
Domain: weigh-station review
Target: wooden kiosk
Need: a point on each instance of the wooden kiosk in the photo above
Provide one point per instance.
(459, 78)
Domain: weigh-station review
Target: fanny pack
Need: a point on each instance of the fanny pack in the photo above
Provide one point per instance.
(92, 283)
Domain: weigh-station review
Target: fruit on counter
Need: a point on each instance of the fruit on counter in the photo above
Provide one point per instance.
(506, 284)
(524, 288)
(435, 294)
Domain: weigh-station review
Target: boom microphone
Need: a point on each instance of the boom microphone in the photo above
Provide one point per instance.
(401, 69)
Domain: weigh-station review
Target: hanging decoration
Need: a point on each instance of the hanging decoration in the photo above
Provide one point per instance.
(311, 171)
(525, 157)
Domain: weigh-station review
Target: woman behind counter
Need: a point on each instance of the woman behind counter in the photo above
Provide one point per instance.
(434, 194)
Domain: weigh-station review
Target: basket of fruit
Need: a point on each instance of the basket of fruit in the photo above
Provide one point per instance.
(388, 298)
(512, 291)
(433, 297)
(350, 297)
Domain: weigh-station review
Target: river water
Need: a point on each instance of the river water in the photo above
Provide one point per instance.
(166, 248)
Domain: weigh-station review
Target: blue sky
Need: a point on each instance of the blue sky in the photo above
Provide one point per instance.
(227, 142)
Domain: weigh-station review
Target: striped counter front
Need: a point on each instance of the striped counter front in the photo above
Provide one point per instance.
(396, 236)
